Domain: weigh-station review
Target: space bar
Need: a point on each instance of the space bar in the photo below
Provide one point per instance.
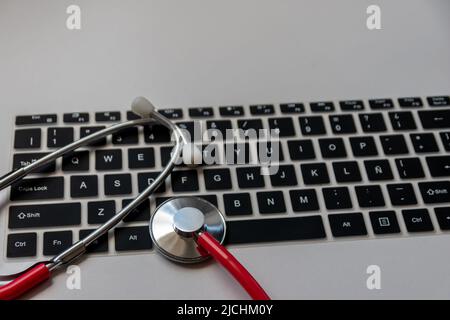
(273, 230)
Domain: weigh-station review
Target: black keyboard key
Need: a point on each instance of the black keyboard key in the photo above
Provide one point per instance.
(218, 129)
(271, 202)
(290, 108)
(352, 105)
(36, 119)
(98, 246)
(337, 198)
(409, 168)
(87, 131)
(435, 192)
(76, 117)
(44, 215)
(27, 139)
(172, 113)
(270, 152)
(394, 144)
(424, 143)
(417, 220)
(370, 196)
(140, 213)
(83, 186)
(312, 125)
(237, 153)
(332, 148)
(59, 137)
(184, 181)
(443, 217)
(314, 173)
(342, 124)
(217, 179)
(285, 176)
(107, 116)
(117, 184)
(402, 194)
(76, 161)
(231, 111)
(323, 106)
(347, 224)
(262, 109)
(147, 178)
(372, 122)
(378, 170)
(250, 128)
(384, 222)
(38, 189)
(381, 104)
(156, 134)
(56, 242)
(363, 146)
(347, 171)
(283, 127)
(132, 116)
(439, 166)
(191, 130)
(166, 155)
(301, 149)
(445, 137)
(108, 160)
(435, 119)
(203, 112)
(101, 211)
(250, 177)
(212, 154)
(21, 245)
(141, 158)
(403, 120)
(237, 204)
(412, 102)
(132, 238)
(21, 160)
(304, 200)
(439, 101)
(273, 230)
(126, 136)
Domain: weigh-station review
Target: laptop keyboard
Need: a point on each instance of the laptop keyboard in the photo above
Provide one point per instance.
(349, 169)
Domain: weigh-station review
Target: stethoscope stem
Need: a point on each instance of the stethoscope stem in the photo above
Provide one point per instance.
(232, 265)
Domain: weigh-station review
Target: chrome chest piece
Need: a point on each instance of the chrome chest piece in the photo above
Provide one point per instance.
(176, 222)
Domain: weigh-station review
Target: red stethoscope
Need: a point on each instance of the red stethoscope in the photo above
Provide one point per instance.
(183, 229)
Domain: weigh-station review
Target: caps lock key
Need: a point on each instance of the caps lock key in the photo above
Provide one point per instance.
(38, 188)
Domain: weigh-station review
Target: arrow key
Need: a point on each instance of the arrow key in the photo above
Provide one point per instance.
(443, 217)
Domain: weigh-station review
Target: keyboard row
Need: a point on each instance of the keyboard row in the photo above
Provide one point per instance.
(335, 198)
(241, 153)
(221, 178)
(220, 129)
(137, 238)
(227, 111)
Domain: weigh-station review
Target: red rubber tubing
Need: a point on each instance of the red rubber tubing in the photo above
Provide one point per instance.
(24, 282)
(230, 263)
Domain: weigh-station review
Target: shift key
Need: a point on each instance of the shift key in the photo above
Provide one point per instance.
(38, 189)
(44, 215)
(435, 192)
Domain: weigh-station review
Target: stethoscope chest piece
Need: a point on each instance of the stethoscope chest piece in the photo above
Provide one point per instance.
(176, 222)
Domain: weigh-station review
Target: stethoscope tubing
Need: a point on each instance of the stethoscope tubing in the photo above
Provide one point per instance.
(41, 271)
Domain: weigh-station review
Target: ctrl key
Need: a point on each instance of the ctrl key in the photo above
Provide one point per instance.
(21, 245)
(417, 220)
